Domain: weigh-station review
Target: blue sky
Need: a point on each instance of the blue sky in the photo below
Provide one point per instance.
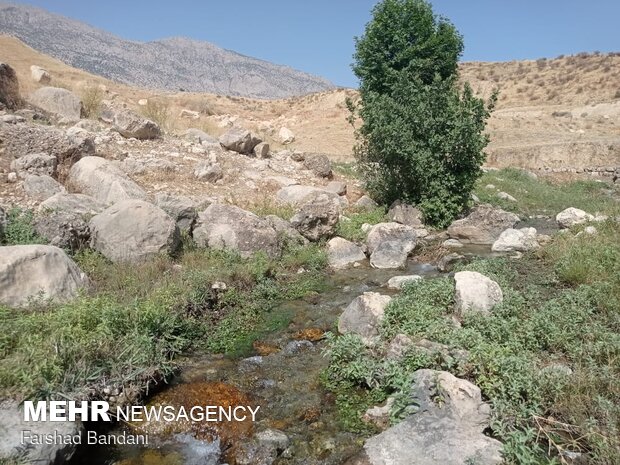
(317, 35)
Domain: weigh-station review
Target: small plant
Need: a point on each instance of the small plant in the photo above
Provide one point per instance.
(91, 101)
(158, 111)
(19, 229)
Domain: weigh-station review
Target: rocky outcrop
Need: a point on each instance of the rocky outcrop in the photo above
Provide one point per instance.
(516, 240)
(363, 316)
(239, 140)
(41, 187)
(230, 227)
(342, 254)
(9, 88)
(35, 163)
(571, 217)
(317, 216)
(483, 225)
(181, 209)
(38, 272)
(59, 102)
(131, 125)
(133, 231)
(475, 293)
(389, 245)
(103, 181)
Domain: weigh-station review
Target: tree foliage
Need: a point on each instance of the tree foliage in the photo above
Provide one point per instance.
(421, 138)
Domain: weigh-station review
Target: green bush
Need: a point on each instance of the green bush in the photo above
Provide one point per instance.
(19, 229)
(421, 138)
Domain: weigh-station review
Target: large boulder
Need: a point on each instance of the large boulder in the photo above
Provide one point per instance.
(389, 245)
(131, 125)
(180, 208)
(133, 231)
(9, 88)
(38, 271)
(35, 163)
(406, 214)
(449, 432)
(230, 227)
(363, 316)
(296, 195)
(41, 187)
(319, 164)
(287, 234)
(239, 140)
(40, 75)
(483, 225)
(317, 216)
(99, 178)
(476, 293)
(59, 102)
(342, 254)
(516, 240)
(571, 217)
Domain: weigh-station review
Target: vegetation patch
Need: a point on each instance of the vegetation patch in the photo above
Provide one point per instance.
(351, 228)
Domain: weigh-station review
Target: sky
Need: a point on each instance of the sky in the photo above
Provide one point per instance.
(316, 36)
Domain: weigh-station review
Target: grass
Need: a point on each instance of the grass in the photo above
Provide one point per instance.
(346, 169)
(351, 229)
(19, 229)
(92, 98)
(159, 112)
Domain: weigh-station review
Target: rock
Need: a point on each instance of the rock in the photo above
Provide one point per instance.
(286, 136)
(363, 316)
(11, 177)
(133, 231)
(483, 225)
(389, 245)
(35, 163)
(319, 164)
(366, 203)
(41, 187)
(182, 210)
(475, 293)
(38, 271)
(190, 114)
(317, 216)
(398, 282)
(398, 346)
(337, 187)
(296, 195)
(274, 438)
(447, 433)
(516, 240)
(59, 102)
(131, 125)
(342, 254)
(591, 230)
(452, 244)
(285, 231)
(406, 214)
(572, 216)
(196, 135)
(446, 263)
(262, 150)
(9, 88)
(12, 450)
(12, 119)
(230, 227)
(40, 75)
(505, 196)
(207, 171)
(379, 415)
(239, 140)
(103, 181)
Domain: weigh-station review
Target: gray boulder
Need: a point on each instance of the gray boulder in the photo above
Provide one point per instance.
(262, 150)
(133, 231)
(9, 88)
(285, 231)
(181, 209)
(389, 245)
(239, 140)
(337, 187)
(40, 75)
(317, 216)
(363, 316)
(196, 135)
(131, 125)
(516, 240)
(41, 187)
(296, 195)
(398, 282)
(571, 217)
(319, 164)
(59, 102)
(103, 181)
(483, 225)
(406, 214)
(475, 293)
(366, 203)
(35, 163)
(207, 171)
(38, 271)
(230, 227)
(342, 254)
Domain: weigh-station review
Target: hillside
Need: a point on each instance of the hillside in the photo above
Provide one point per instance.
(171, 64)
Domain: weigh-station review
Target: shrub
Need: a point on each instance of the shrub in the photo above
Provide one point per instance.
(19, 229)
(159, 112)
(91, 101)
(421, 138)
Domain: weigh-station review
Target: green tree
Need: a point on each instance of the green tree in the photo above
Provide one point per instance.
(421, 139)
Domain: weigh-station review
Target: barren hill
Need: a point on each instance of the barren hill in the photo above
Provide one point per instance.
(171, 64)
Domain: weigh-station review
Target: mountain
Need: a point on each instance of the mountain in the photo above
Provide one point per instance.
(169, 64)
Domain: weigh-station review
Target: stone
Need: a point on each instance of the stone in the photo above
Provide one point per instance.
(296, 195)
(379, 415)
(285, 231)
(181, 209)
(366, 203)
(317, 216)
(483, 225)
(40, 75)
(505, 196)
(262, 150)
(447, 262)
(452, 244)
(399, 346)
(239, 140)
(398, 282)
(516, 240)
(196, 135)
(475, 293)
(103, 181)
(12, 119)
(342, 254)
(274, 438)
(9, 88)
(38, 271)
(133, 231)
(230, 227)
(571, 217)
(131, 125)
(41, 187)
(389, 245)
(363, 316)
(337, 187)
(59, 102)
(207, 171)
(319, 164)
(189, 114)
(35, 163)
(403, 213)
(286, 136)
